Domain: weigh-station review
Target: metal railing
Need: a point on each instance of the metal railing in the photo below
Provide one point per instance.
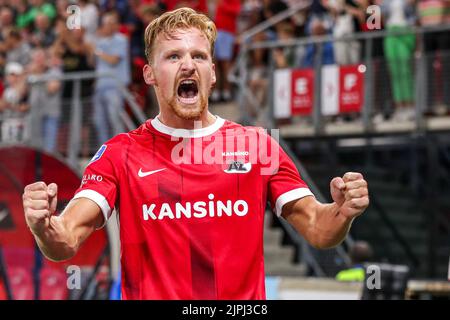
(79, 115)
(420, 64)
(239, 71)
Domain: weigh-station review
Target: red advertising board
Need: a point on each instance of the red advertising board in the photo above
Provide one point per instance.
(302, 91)
(351, 83)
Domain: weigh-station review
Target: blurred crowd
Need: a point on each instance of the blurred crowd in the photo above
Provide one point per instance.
(42, 38)
(36, 40)
(393, 55)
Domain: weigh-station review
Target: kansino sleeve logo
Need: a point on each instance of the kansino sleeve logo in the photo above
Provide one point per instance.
(99, 153)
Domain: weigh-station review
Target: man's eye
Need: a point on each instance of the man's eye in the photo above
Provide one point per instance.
(199, 57)
(173, 57)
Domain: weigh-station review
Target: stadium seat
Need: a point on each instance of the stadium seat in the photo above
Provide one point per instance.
(53, 284)
(21, 282)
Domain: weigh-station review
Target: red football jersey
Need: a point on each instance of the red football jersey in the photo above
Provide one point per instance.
(191, 207)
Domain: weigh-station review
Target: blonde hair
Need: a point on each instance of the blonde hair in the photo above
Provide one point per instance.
(183, 18)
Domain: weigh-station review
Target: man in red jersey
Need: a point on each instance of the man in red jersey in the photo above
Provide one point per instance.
(190, 188)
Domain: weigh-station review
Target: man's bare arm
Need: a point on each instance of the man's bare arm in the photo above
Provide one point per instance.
(326, 225)
(109, 58)
(59, 237)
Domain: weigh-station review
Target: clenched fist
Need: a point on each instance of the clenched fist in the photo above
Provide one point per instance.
(350, 193)
(39, 203)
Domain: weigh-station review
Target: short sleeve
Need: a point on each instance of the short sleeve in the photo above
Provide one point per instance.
(100, 180)
(120, 47)
(286, 184)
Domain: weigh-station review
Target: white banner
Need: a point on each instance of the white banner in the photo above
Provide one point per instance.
(330, 90)
(282, 93)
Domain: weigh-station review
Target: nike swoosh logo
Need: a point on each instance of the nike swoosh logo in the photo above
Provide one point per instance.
(142, 174)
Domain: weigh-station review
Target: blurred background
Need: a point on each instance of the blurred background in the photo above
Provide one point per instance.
(349, 85)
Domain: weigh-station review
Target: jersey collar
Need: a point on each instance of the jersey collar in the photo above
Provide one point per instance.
(186, 133)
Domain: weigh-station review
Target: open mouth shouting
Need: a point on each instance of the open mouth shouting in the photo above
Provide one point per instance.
(187, 91)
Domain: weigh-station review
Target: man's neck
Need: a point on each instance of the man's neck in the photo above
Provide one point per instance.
(173, 121)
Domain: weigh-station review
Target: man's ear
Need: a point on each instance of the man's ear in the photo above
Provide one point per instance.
(213, 71)
(149, 76)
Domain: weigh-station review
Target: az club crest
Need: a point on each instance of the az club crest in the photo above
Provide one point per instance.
(238, 167)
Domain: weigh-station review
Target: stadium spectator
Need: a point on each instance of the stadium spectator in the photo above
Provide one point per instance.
(13, 104)
(447, 15)
(43, 34)
(381, 105)
(253, 14)
(6, 25)
(272, 8)
(72, 47)
(318, 23)
(20, 8)
(318, 10)
(135, 27)
(89, 16)
(285, 57)
(433, 13)
(318, 27)
(149, 12)
(359, 253)
(6, 21)
(37, 7)
(198, 5)
(120, 6)
(227, 12)
(112, 57)
(62, 9)
(45, 97)
(173, 244)
(399, 50)
(348, 16)
(16, 48)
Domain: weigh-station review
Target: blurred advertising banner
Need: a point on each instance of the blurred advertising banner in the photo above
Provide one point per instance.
(31, 275)
(342, 91)
(302, 96)
(351, 89)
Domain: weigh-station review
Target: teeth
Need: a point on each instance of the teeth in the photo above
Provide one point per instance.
(188, 82)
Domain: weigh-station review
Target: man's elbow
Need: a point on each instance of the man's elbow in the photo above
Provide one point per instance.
(59, 254)
(59, 257)
(324, 243)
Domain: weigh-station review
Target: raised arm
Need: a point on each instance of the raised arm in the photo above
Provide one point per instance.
(326, 225)
(59, 237)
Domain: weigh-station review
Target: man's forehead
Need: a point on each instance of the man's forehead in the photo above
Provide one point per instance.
(180, 37)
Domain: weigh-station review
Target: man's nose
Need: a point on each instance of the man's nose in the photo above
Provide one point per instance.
(188, 64)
